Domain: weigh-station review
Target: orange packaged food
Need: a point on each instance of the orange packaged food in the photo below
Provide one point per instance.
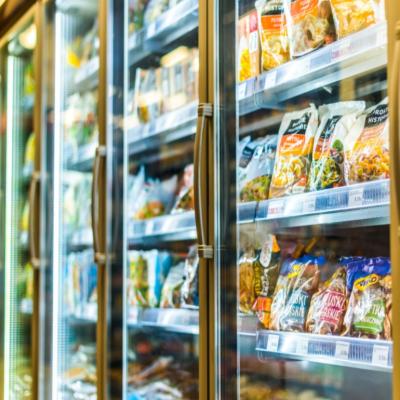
(294, 151)
(310, 25)
(273, 33)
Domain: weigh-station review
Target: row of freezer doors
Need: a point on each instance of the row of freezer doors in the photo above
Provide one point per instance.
(190, 215)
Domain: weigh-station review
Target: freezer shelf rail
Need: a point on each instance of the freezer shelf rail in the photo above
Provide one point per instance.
(336, 350)
(360, 52)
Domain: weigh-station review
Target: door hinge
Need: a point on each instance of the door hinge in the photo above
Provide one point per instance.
(205, 251)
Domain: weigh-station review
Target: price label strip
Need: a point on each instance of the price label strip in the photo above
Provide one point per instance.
(309, 204)
(273, 343)
(342, 350)
(276, 209)
(380, 355)
(356, 197)
(302, 346)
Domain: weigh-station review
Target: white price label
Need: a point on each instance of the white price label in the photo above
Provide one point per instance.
(303, 67)
(273, 343)
(270, 80)
(309, 204)
(149, 227)
(276, 208)
(133, 41)
(380, 355)
(342, 350)
(355, 198)
(151, 30)
(242, 91)
(302, 346)
(133, 314)
(343, 49)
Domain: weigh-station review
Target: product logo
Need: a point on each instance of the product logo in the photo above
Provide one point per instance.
(295, 270)
(364, 283)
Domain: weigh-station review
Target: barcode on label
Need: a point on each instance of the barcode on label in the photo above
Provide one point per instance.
(380, 355)
(342, 350)
(273, 343)
(356, 197)
(276, 208)
(302, 346)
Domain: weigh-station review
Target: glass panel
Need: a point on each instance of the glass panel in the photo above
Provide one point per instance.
(162, 277)
(313, 271)
(18, 145)
(75, 141)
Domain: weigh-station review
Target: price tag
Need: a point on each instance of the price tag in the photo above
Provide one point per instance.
(342, 350)
(380, 355)
(133, 314)
(302, 346)
(273, 343)
(309, 204)
(270, 80)
(303, 67)
(342, 49)
(242, 91)
(149, 230)
(276, 209)
(355, 198)
(151, 30)
(133, 41)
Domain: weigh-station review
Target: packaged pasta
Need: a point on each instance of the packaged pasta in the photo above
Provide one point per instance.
(310, 25)
(369, 311)
(255, 183)
(328, 306)
(354, 15)
(367, 146)
(266, 272)
(273, 33)
(246, 280)
(327, 166)
(294, 150)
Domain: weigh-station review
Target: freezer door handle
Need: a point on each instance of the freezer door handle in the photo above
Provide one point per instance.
(205, 113)
(33, 232)
(395, 131)
(99, 254)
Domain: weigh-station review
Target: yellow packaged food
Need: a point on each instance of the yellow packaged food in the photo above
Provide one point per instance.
(310, 25)
(273, 33)
(354, 15)
(367, 146)
(293, 155)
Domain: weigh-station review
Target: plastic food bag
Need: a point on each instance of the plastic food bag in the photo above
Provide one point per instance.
(246, 280)
(257, 178)
(273, 33)
(310, 25)
(266, 272)
(139, 279)
(367, 146)
(185, 199)
(328, 306)
(295, 144)
(171, 291)
(327, 166)
(354, 15)
(369, 310)
(190, 287)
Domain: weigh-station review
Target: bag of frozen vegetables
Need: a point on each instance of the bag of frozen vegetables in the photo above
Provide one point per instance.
(327, 166)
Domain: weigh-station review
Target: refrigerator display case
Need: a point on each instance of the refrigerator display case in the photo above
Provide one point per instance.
(18, 183)
(162, 275)
(305, 125)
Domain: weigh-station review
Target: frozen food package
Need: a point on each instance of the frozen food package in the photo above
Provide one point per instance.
(369, 310)
(154, 9)
(246, 280)
(367, 146)
(310, 25)
(273, 33)
(246, 150)
(171, 292)
(303, 280)
(354, 15)
(294, 151)
(257, 179)
(249, 46)
(266, 272)
(190, 287)
(328, 305)
(185, 198)
(327, 165)
(138, 269)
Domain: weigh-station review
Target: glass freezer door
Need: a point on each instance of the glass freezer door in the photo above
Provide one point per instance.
(305, 290)
(18, 139)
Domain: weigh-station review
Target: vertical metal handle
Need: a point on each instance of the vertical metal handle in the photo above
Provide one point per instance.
(99, 254)
(394, 127)
(33, 232)
(205, 111)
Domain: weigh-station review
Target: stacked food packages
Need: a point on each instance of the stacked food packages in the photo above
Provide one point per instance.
(339, 144)
(167, 88)
(288, 29)
(160, 279)
(152, 197)
(288, 293)
(80, 284)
